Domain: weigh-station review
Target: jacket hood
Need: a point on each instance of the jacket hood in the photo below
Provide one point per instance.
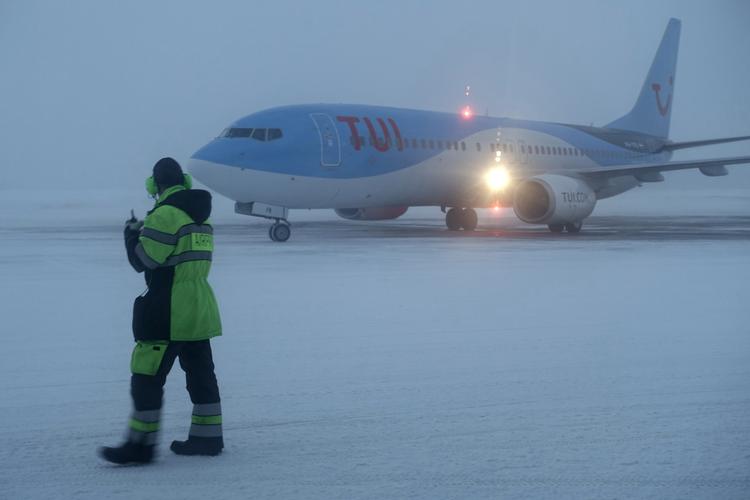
(194, 202)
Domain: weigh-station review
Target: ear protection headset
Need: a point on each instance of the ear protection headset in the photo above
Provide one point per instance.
(153, 190)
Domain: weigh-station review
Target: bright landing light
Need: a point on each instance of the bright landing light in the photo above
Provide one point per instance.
(467, 112)
(496, 178)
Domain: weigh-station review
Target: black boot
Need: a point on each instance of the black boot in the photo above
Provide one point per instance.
(211, 446)
(128, 453)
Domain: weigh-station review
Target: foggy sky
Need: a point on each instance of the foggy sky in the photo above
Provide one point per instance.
(92, 93)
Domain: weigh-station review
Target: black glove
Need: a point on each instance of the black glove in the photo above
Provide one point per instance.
(133, 224)
(131, 233)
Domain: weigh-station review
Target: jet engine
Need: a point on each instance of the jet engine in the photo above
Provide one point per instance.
(378, 213)
(553, 199)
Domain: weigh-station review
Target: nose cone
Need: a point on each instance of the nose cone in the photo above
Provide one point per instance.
(204, 163)
(199, 169)
(210, 152)
(216, 166)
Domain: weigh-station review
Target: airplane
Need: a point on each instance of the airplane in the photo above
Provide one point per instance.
(373, 163)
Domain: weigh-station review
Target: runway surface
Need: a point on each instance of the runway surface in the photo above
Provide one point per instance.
(399, 360)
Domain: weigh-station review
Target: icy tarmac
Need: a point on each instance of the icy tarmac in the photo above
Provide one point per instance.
(398, 360)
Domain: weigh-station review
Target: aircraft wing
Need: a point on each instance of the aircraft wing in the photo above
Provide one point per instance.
(672, 146)
(711, 167)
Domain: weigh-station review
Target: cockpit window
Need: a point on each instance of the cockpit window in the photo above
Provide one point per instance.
(274, 133)
(259, 134)
(238, 132)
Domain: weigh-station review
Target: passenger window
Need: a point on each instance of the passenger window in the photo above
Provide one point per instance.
(440, 144)
(432, 144)
(414, 144)
(479, 146)
(492, 146)
(259, 134)
(510, 147)
(463, 146)
(424, 144)
(536, 149)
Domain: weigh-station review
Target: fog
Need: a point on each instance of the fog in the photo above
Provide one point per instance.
(92, 93)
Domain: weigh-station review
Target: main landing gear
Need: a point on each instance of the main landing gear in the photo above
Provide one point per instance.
(280, 231)
(461, 218)
(571, 227)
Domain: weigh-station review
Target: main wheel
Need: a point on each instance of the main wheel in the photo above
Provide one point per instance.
(280, 232)
(469, 219)
(453, 219)
(556, 228)
(574, 227)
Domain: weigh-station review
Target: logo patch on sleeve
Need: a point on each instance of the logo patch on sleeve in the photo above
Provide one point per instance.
(202, 242)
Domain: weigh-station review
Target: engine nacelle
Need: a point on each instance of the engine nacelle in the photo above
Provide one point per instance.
(378, 213)
(553, 199)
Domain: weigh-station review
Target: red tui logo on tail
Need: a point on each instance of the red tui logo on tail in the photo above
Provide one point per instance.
(663, 110)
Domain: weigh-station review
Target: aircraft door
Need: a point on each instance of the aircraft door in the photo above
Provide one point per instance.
(330, 144)
(523, 152)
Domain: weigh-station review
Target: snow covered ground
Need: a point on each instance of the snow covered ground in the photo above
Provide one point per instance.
(394, 359)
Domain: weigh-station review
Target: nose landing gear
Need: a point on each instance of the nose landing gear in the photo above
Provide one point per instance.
(280, 230)
(461, 218)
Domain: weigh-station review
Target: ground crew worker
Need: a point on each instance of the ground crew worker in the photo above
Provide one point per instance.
(175, 318)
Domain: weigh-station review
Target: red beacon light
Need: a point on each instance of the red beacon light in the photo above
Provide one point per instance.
(467, 113)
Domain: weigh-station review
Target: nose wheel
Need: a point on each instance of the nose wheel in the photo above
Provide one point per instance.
(280, 231)
(461, 218)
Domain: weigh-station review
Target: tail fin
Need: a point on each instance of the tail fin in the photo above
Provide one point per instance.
(653, 109)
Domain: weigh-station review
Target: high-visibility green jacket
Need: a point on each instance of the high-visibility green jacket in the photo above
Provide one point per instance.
(174, 249)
